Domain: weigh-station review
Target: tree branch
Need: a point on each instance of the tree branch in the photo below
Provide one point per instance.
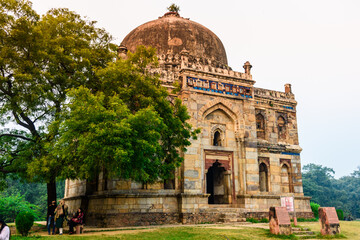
(16, 136)
(18, 121)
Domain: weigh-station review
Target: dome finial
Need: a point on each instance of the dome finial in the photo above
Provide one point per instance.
(174, 8)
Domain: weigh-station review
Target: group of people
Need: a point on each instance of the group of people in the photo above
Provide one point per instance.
(58, 216)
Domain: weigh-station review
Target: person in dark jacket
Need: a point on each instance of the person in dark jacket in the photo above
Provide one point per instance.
(51, 217)
(78, 219)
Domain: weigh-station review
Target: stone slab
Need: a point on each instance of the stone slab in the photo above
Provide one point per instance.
(329, 220)
(279, 221)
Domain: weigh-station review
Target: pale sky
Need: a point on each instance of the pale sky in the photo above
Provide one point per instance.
(312, 44)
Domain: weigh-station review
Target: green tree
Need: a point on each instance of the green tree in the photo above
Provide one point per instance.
(10, 206)
(40, 60)
(343, 193)
(129, 128)
(350, 197)
(33, 193)
(318, 183)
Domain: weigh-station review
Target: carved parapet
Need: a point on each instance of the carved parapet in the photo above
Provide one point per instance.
(171, 64)
(209, 66)
(270, 94)
(165, 75)
(169, 59)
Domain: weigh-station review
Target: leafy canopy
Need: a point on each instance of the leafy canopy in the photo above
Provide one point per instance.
(343, 193)
(129, 127)
(41, 58)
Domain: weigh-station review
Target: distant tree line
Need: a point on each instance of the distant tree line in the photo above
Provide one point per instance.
(20, 195)
(343, 193)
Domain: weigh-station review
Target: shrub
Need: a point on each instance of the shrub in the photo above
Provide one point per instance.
(24, 222)
(10, 206)
(315, 209)
(340, 214)
(307, 219)
(253, 220)
(264, 220)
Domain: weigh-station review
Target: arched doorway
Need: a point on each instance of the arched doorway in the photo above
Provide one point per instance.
(216, 179)
(263, 177)
(285, 179)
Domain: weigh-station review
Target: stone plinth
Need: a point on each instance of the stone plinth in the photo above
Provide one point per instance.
(279, 221)
(329, 220)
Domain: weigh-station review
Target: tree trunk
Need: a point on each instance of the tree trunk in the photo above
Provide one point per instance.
(51, 191)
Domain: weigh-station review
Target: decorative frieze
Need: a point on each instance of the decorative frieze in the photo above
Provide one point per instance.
(271, 94)
(219, 87)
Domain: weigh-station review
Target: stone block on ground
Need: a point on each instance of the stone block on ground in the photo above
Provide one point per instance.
(330, 224)
(279, 221)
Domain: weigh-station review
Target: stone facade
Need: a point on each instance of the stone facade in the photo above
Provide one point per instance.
(246, 157)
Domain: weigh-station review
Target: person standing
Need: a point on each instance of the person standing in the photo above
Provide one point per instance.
(51, 217)
(4, 231)
(61, 213)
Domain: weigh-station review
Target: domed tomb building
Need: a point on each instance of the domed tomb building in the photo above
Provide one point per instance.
(245, 160)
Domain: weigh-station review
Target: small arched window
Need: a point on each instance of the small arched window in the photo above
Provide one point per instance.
(281, 127)
(285, 179)
(217, 138)
(263, 177)
(260, 126)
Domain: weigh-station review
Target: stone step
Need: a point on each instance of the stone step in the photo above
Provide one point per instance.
(231, 220)
(223, 210)
(300, 229)
(219, 206)
(303, 233)
(231, 217)
(244, 222)
(232, 214)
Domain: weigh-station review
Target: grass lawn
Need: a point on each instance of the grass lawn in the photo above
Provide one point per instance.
(201, 232)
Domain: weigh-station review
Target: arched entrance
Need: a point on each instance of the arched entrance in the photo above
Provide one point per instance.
(217, 184)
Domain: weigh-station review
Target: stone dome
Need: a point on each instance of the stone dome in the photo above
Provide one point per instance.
(172, 34)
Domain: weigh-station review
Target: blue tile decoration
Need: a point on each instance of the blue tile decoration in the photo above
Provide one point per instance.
(287, 107)
(219, 87)
(290, 153)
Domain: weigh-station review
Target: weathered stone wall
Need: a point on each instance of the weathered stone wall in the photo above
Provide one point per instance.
(218, 100)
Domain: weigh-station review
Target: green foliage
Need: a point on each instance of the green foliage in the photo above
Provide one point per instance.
(24, 222)
(10, 206)
(315, 209)
(264, 220)
(343, 193)
(340, 214)
(173, 8)
(307, 219)
(252, 220)
(41, 58)
(24, 194)
(126, 127)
